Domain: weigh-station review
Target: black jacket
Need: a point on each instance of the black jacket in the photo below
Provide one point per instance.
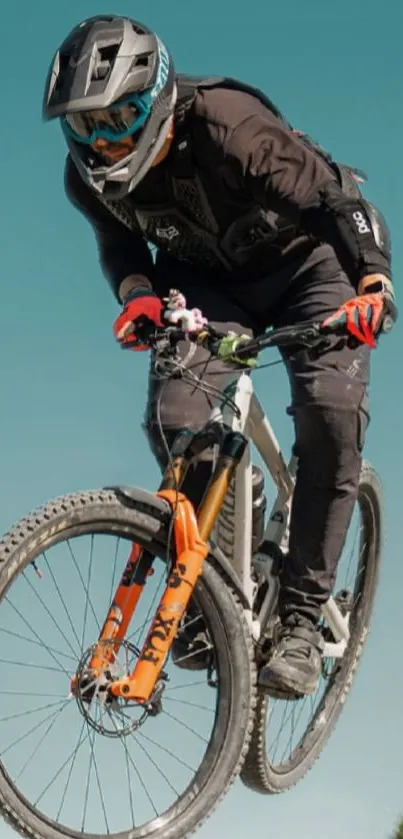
(239, 194)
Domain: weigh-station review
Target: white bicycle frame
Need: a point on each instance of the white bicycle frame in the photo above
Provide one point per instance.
(233, 531)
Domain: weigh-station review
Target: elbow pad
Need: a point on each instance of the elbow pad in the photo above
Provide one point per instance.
(356, 229)
(379, 228)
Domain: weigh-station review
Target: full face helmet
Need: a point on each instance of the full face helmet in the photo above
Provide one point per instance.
(112, 78)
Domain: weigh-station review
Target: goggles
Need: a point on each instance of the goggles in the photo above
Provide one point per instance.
(115, 123)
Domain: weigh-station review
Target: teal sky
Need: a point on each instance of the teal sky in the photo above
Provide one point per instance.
(72, 401)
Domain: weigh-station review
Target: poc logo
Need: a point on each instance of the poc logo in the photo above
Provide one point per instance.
(361, 222)
(168, 233)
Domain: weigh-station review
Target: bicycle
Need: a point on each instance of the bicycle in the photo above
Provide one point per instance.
(207, 564)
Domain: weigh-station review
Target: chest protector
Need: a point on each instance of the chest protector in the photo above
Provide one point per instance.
(185, 225)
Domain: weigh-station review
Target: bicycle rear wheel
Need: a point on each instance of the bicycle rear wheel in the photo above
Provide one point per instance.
(274, 763)
(40, 794)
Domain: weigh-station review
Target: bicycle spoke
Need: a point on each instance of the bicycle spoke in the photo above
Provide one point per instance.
(191, 621)
(27, 733)
(89, 601)
(164, 749)
(87, 789)
(57, 774)
(194, 653)
(31, 694)
(294, 713)
(142, 784)
(188, 728)
(130, 760)
(88, 592)
(129, 784)
(70, 772)
(29, 664)
(190, 704)
(187, 685)
(99, 785)
(144, 750)
(286, 710)
(32, 711)
(48, 612)
(36, 749)
(40, 644)
(64, 607)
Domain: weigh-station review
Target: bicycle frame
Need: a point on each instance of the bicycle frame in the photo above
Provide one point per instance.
(233, 532)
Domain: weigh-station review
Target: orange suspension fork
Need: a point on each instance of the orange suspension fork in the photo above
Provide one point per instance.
(191, 552)
(191, 548)
(124, 603)
(131, 586)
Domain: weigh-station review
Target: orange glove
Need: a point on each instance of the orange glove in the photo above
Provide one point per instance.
(364, 316)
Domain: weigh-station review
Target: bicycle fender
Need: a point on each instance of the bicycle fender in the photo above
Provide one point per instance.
(133, 497)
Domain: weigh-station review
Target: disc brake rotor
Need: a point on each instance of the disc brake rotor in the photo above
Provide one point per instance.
(109, 715)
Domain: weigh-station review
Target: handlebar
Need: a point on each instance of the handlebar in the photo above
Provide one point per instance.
(189, 324)
(231, 347)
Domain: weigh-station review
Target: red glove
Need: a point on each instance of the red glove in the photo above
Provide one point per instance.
(141, 305)
(362, 316)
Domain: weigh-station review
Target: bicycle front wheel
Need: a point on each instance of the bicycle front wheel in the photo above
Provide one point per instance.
(68, 770)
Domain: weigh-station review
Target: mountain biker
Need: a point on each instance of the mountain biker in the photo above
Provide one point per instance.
(257, 227)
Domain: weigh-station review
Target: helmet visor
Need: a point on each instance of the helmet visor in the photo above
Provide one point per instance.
(114, 123)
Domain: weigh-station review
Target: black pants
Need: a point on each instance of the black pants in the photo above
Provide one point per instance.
(329, 406)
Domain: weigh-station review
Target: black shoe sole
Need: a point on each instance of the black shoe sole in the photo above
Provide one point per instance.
(279, 690)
